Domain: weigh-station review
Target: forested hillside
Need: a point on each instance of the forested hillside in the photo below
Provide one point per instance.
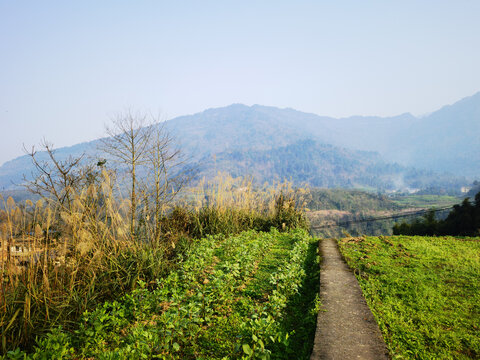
(320, 165)
(463, 220)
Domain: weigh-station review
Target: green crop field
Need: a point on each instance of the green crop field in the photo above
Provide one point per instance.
(253, 295)
(423, 291)
(425, 201)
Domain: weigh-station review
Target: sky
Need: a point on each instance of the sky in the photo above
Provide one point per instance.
(68, 67)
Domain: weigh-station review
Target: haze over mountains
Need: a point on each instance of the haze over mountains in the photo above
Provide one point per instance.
(272, 143)
(447, 140)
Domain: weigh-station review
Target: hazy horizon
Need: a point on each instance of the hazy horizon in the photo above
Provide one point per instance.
(225, 106)
(69, 67)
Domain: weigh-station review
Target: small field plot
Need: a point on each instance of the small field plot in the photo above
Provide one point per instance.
(253, 295)
(423, 201)
(423, 291)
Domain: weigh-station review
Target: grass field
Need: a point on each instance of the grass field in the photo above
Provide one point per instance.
(423, 291)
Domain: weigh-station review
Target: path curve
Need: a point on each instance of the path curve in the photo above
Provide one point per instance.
(346, 328)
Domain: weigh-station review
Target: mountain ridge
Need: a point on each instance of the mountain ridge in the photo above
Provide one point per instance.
(444, 141)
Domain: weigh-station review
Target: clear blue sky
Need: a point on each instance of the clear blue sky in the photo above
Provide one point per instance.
(67, 67)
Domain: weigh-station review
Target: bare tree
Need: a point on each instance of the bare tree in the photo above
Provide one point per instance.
(54, 179)
(127, 144)
(155, 167)
(167, 174)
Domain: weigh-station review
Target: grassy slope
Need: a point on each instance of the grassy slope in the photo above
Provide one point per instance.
(353, 201)
(423, 291)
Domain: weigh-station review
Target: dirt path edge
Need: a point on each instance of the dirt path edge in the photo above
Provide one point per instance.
(346, 328)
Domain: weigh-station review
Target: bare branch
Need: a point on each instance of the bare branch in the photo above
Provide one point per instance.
(54, 179)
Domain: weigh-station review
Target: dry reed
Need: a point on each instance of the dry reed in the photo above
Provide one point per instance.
(79, 256)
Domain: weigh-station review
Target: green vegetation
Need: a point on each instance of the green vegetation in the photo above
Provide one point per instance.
(354, 201)
(230, 298)
(84, 244)
(332, 206)
(423, 291)
(425, 201)
(463, 220)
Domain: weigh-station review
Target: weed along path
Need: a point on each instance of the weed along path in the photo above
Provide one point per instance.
(346, 328)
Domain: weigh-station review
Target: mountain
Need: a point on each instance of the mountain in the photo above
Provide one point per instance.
(12, 172)
(270, 143)
(240, 127)
(327, 166)
(305, 161)
(447, 140)
(258, 127)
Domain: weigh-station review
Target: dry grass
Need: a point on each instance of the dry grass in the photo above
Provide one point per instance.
(81, 255)
(73, 259)
(230, 205)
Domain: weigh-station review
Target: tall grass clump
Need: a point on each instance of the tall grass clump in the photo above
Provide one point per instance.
(227, 205)
(58, 261)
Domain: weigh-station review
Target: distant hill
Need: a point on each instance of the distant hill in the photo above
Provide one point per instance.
(13, 171)
(240, 127)
(448, 139)
(357, 151)
(327, 166)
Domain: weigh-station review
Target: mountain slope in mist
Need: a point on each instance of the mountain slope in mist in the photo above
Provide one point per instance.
(320, 165)
(445, 141)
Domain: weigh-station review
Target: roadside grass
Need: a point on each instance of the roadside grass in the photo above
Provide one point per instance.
(229, 299)
(423, 291)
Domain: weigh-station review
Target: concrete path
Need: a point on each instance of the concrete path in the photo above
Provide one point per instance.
(346, 328)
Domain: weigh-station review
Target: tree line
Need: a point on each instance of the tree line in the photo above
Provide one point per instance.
(463, 220)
